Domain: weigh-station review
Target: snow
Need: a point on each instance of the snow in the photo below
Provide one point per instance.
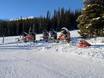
(51, 60)
(14, 19)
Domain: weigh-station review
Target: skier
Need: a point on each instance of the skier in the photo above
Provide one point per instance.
(45, 35)
(65, 35)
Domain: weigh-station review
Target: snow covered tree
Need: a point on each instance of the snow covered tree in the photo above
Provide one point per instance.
(101, 2)
(91, 21)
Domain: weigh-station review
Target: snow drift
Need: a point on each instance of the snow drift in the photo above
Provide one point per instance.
(51, 60)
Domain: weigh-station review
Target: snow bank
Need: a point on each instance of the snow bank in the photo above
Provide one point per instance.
(51, 60)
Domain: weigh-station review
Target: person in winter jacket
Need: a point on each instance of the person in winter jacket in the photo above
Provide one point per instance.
(45, 35)
(34, 36)
(65, 35)
(53, 34)
(24, 36)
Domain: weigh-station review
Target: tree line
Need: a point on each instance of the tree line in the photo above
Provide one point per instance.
(60, 18)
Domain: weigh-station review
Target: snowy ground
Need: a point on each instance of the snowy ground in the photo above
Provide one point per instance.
(51, 60)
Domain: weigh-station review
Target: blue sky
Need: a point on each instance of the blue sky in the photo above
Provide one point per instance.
(16, 8)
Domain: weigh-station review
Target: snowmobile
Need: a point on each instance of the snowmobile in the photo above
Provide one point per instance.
(27, 37)
(65, 35)
(83, 44)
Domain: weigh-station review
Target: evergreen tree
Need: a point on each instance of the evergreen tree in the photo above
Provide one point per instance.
(91, 21)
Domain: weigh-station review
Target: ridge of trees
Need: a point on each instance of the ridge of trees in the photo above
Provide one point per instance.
(60, 18)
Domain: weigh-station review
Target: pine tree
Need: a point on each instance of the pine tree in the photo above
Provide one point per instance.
(91, 21)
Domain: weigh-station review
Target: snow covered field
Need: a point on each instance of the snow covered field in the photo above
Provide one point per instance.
(51, 60)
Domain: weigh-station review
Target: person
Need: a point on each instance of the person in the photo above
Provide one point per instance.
(53, 34)
(65, 35)
(34, 36)
(45, 35)
(24, 36)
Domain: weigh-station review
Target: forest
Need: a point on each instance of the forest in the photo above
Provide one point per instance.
(60, 18)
